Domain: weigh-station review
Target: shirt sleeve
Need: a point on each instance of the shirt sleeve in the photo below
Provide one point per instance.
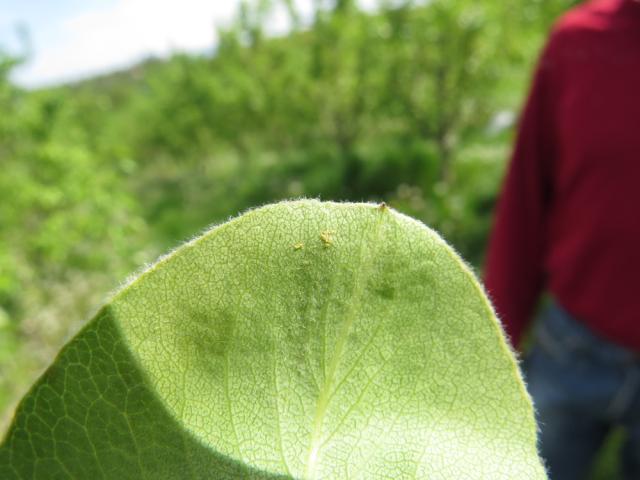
(514, 270)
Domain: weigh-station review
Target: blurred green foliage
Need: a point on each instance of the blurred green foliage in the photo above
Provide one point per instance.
(411, 104)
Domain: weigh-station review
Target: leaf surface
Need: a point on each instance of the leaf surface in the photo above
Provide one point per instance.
(301, 340)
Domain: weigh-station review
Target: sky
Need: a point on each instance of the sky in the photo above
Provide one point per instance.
(74, 39)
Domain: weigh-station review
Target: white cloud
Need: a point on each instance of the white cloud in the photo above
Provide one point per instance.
(99, 40)
(123, 32)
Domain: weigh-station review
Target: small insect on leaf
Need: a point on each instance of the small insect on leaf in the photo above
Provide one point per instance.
(327, 238)
(298, 246)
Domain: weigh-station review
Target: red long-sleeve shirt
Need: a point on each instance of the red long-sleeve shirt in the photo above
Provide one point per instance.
(568, 218)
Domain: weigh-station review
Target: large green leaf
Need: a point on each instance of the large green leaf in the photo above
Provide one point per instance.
(300, 340)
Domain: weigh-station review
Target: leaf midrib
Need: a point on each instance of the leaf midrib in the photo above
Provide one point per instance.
(326, 393)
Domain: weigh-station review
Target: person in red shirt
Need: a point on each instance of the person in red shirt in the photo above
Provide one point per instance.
(568, 223)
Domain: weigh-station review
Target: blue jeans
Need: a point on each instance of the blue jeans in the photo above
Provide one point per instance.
(582, 386)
